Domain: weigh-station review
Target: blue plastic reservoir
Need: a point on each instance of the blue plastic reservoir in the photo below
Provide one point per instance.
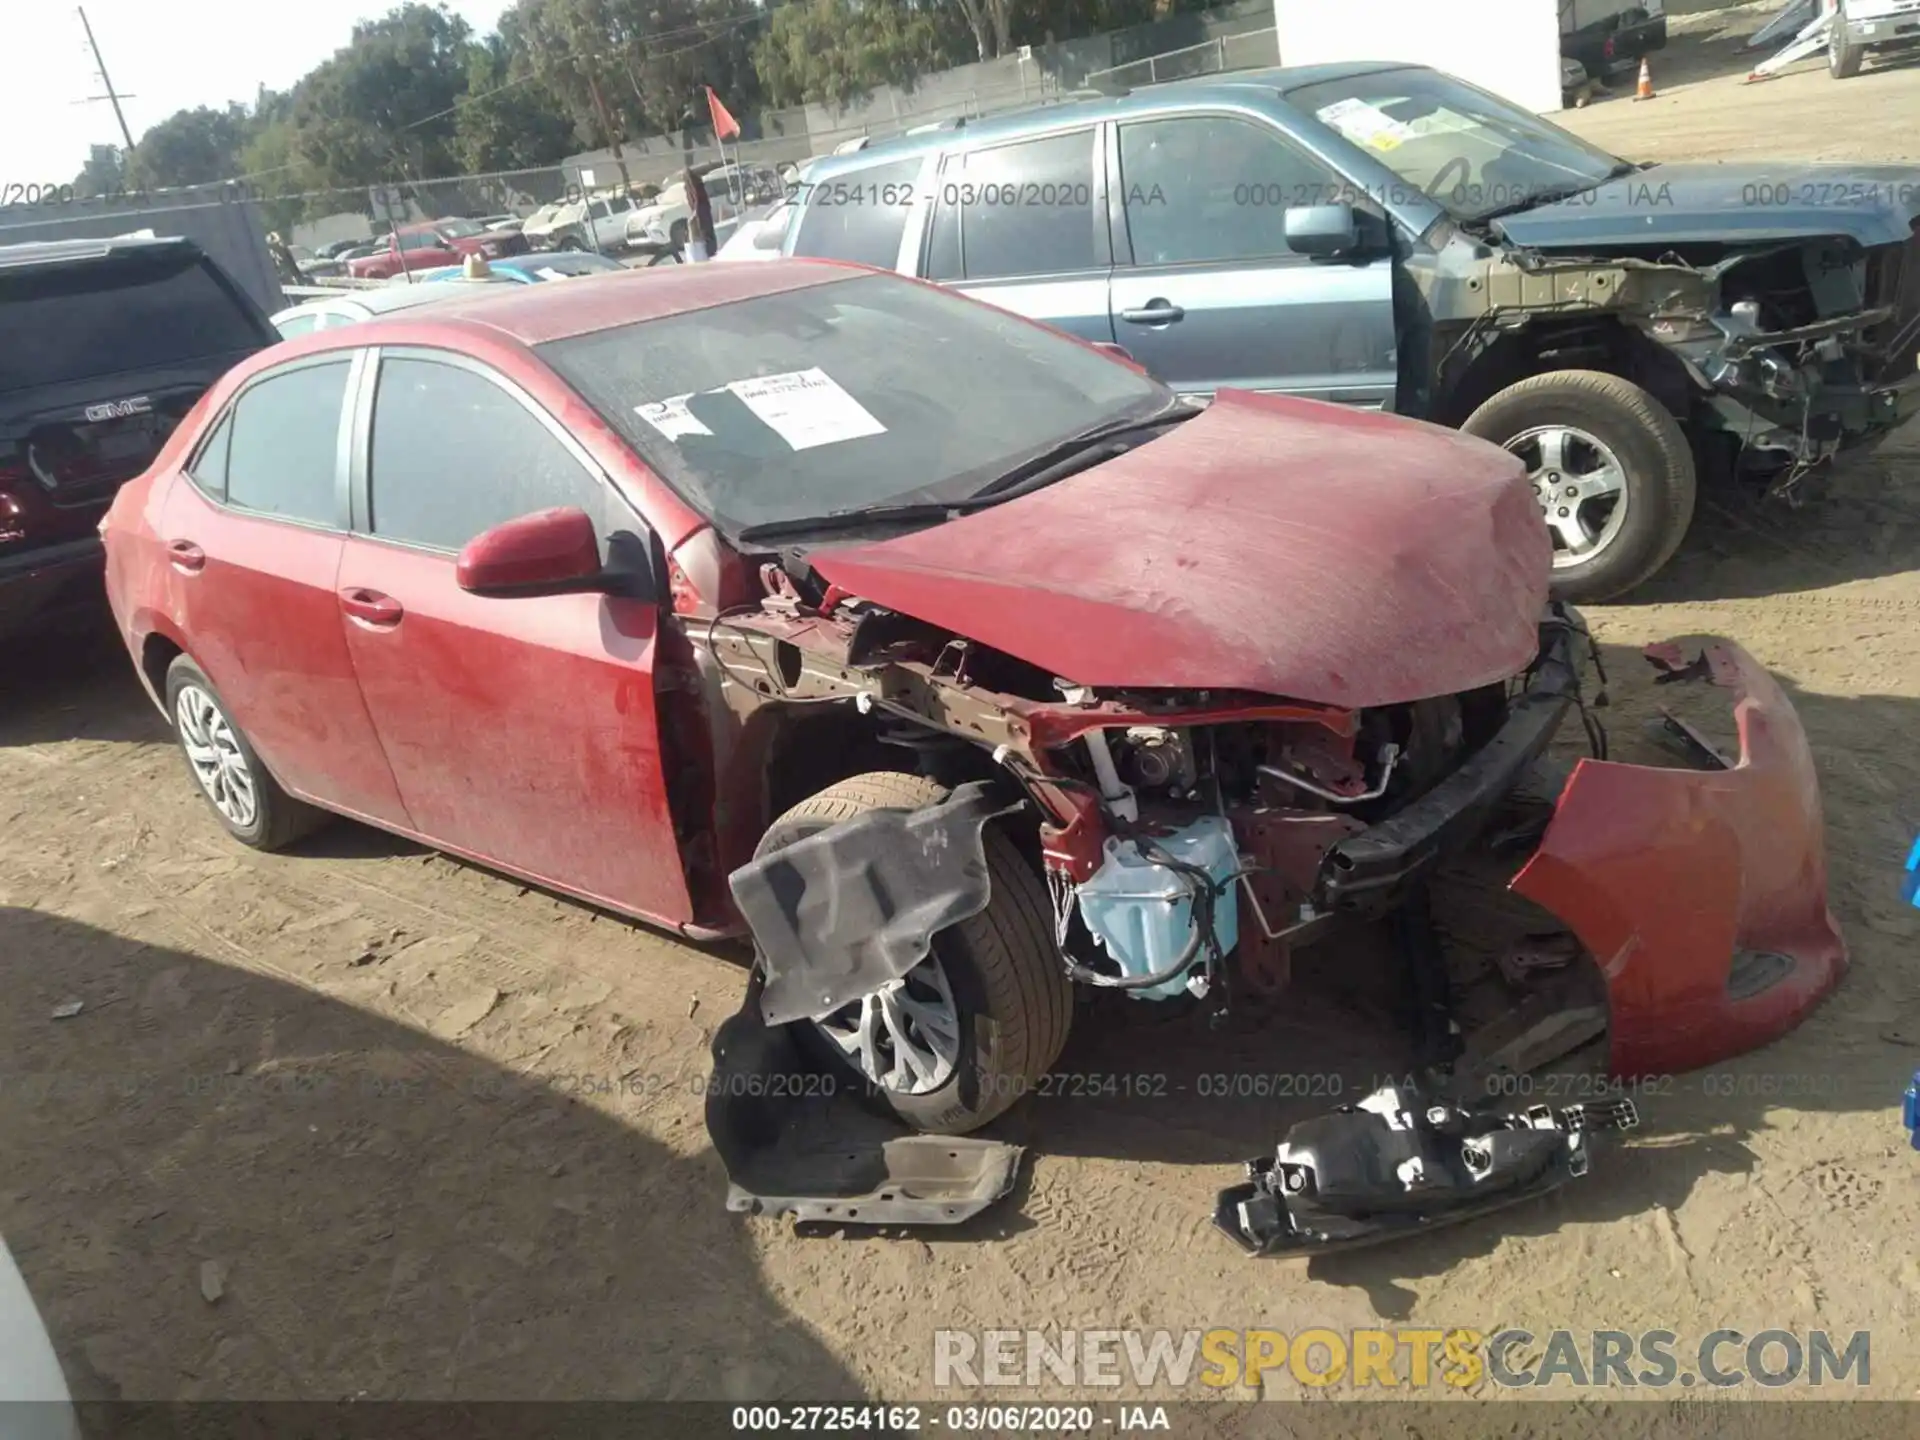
(1911, 889)
(1910, 1110)
(1141, 913)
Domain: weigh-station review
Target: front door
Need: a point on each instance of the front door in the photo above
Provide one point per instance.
(254, 542)
(1205, 292)
(522, 732)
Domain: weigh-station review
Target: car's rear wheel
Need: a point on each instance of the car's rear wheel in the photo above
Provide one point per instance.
(1611, 469)
(969, 1030)
(244, 796)
(1844, 58)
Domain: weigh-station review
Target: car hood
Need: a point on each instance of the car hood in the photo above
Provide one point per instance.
(1270, 544)
(1693, 203)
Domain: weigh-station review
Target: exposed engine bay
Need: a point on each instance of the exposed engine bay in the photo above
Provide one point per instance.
(1191, 840)
(1791, 349)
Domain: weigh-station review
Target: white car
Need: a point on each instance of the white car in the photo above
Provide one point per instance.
(35, 1403)
(758, 237)
(662, 223)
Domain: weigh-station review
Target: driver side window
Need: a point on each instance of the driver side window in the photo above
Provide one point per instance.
(1213, 188)
(455, 454)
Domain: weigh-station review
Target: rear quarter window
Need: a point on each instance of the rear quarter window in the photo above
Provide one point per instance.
(859, 216)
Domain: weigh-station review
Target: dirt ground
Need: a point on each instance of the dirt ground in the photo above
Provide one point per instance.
(424, 1133)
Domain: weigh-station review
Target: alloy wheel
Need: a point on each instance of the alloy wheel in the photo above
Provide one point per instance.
(213, 750)
(1581, 487)
(906, 1037)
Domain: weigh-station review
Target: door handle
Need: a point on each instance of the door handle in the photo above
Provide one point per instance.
(371, 606)
(187, 556)
(1155, 312)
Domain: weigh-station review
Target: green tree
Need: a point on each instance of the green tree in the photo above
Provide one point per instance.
(190, 147)
(510, 119)
(385, 105)
(841, 50)
(630, 68)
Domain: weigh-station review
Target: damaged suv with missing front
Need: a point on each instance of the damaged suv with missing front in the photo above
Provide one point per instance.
(1391, 237)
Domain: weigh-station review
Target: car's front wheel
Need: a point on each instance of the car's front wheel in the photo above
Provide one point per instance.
(246, 799)
(971, 1028)
(1611, 469)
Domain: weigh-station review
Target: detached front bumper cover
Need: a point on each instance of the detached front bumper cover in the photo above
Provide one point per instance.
(1401, 1162)
(1701, 894)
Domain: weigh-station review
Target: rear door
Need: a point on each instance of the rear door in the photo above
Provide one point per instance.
(1206, 293)
(1023, 225)
(522, 732)
(254, 543)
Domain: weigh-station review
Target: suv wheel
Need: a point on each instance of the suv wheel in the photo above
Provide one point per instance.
(245, 798)
(1844, 58)
(970, 1029)
(1611, 469)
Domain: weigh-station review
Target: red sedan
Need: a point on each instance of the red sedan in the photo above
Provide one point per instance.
(956, 660)
(427, 247)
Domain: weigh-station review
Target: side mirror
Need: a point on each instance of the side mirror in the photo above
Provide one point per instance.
(1120, 353)
(1322, 230)
(550, 552)
(771, 234)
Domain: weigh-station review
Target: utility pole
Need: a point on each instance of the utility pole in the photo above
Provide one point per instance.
(101, 66)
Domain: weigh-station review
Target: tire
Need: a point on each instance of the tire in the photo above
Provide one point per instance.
(1844, 58)
(1610, 431)
(276, 818)
(572, 243)
(1010, 993)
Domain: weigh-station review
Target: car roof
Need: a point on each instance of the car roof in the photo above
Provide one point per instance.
(535, 314)
(65, 252)
(1012, 124)
(380, 300)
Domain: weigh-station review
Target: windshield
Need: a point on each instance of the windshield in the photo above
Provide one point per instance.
(460, 229)
(1470, 151)
(840, 397)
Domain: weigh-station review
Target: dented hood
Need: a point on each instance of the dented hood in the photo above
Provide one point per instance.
(1282, 546)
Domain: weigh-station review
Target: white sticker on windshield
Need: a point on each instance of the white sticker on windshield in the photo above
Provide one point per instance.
(671, 417)
(1366, 124)
(547, 272)
(806, 408)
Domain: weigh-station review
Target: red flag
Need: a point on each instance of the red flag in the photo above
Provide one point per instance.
(725, 127)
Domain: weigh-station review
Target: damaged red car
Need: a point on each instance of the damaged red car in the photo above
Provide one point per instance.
(957, 662)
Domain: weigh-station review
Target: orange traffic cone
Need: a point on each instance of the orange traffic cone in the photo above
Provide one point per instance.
(1645, 88)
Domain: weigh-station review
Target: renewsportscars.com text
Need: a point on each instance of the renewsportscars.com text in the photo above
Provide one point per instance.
(1462, 1358)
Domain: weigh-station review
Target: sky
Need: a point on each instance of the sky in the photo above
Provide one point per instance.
(166, 55)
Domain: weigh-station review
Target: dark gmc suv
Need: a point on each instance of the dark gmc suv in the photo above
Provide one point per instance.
(104, 346)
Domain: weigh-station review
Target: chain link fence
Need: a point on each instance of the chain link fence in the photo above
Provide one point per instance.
(235, 218)
(1253, 50)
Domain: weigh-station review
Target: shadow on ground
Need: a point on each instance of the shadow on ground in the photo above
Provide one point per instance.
(1862, 522)
(266, 1182)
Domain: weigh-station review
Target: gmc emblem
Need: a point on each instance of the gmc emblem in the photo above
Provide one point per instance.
(119, 409)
